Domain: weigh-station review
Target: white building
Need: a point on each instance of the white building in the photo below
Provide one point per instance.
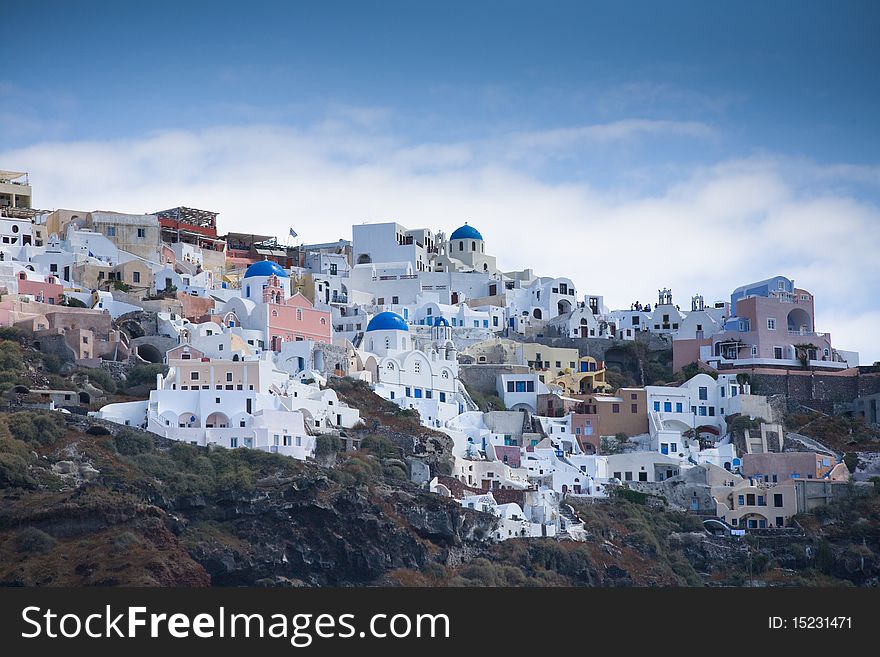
(425, 380)
(520, 391)
(391, 242)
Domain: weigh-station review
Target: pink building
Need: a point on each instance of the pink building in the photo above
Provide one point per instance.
(267, 305)
(45, 291)
(295, 318)
(772, 325)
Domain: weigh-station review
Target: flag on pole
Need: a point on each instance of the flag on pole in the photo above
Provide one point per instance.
(293, 233)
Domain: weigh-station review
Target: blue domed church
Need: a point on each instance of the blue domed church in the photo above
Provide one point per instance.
(425, 380)
(464, 251)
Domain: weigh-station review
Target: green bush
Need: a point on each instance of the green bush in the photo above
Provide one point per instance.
(59, 382)
(100, 378)
(326, 444)
(52, 364)
(11, 333)
(145, 374)
(14, 472)
(31, 540)
(73, 302)
(10, 356)
(742, 422)
(10, 445)
(37, 426)
(380, 446)
(130, 443)
(358, 471)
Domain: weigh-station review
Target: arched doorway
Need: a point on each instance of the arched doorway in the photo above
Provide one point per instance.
(188, 421)
(799, 321)
(149, 353)
(217, 420)
(563, 307)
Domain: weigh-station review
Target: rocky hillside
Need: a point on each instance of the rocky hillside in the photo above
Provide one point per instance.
(92, 503)
(92, 508)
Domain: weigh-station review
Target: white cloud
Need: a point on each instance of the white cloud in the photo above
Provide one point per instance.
(615, 131)
(716, 228)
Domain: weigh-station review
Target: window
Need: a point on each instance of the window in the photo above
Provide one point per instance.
(711, 411)
(229, 376)
(667, 407)
(380, 301)
(111, 231)
(142, 232)
(216, 400)
(615, 408)
(704, 393)
(634, 408)
(530, 386)
(754, 350)
(780, 521)
(771, 323)
(762, 501)
(627, 476)
(777, 353)
(777, 498)
(520, 386)
(135, 277)
(750, 499)
(194, 376)
(673, 447)
(617, 475)
(510, 386)
(741, 500)
(656, 407)
(443, 396)
(395, 300)
(678, 407)
(233, 442)
(702, 411)
(429, 394)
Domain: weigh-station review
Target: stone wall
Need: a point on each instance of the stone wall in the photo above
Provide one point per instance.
(482, 378)
(55, 344)
(598, 347)
(816, 390)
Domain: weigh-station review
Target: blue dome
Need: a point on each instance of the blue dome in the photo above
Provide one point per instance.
(387, 321)
(266, 268)
(466, 233)
(440, 321)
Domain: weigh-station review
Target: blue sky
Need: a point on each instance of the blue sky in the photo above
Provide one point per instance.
(743, 133)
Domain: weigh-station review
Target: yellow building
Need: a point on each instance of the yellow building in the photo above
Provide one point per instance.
(579, 375)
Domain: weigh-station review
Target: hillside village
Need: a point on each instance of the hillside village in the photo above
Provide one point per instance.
(532, 398)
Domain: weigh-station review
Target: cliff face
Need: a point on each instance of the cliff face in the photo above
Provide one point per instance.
(311, 531)
(172, 515)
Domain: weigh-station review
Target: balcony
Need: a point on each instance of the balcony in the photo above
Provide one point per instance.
(805, 333)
